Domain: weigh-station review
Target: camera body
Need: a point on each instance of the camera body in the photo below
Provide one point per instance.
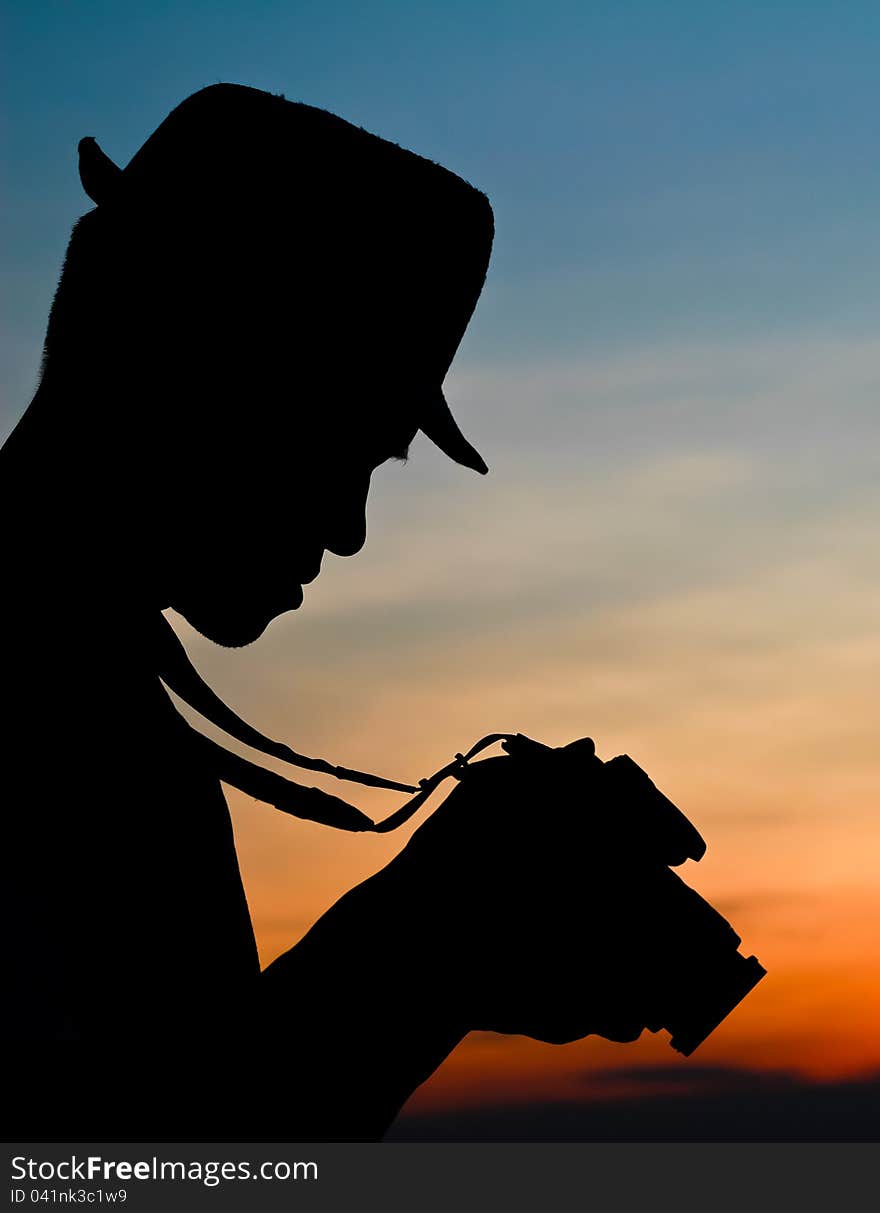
(553, 851)
(699, 974)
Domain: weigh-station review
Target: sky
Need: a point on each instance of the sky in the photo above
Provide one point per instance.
(673, 375)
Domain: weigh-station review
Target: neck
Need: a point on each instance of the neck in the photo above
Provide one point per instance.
(72, 540)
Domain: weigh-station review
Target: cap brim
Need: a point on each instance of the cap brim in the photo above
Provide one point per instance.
(440, 426)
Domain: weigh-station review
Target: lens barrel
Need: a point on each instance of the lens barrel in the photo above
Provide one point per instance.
(713, 996)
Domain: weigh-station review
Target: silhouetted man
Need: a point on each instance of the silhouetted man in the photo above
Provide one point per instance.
(259, 311)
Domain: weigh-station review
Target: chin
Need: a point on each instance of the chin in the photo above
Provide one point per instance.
(231, 629)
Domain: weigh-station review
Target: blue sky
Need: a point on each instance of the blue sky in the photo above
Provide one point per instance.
(656, 169)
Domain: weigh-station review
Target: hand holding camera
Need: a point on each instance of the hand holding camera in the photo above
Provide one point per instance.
(545, 879)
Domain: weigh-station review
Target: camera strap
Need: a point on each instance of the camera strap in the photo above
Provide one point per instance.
(179, 675)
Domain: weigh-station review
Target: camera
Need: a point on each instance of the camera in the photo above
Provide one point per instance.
(698, 973)
(601, 843)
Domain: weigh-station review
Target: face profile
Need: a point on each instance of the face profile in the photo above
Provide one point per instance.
(287, 340)
(271, 521)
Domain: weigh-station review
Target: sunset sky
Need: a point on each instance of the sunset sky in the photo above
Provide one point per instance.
(673, 374)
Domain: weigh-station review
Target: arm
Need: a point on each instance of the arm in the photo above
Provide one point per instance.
(356, 1016)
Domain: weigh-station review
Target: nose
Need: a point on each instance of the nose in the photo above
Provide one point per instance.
(347, 517)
